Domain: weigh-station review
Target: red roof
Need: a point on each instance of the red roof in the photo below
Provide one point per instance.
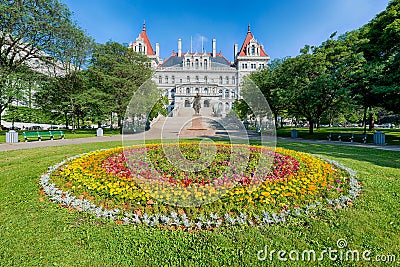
(143, 35)
(246, 42)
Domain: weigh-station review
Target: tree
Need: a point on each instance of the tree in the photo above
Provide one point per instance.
(41, 36)
(31, 32)
(268, 82)
(319, 79)
(12, 87)
(241, 109)
(254, 102)
(93, 102)
(147, 102)
(383, 49)
(120, 72)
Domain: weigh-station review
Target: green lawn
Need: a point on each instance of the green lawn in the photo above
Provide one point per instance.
(392, 135)
(68, 134)
(36, 232)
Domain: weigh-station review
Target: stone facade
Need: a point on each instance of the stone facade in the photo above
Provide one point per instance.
(182, 75)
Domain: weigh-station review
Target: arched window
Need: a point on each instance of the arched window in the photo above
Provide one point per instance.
(226, 93)
(206, 91)
(173, 79)
(187, 62)
(226, 106)
(140, 47)
(188, 79)
(196, 63)
(233, 80)
(220, 79)
(205, 63)
(253, 49)
(233, 94)
(188, 91)
(205, 79)
(196, 91)
(220, 92)
(227, 80)
(206, 103)
(187, 103)
(160, 79)
(166, 79)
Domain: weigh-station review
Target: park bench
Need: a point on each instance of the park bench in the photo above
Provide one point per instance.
(348, 137)
(39, 136)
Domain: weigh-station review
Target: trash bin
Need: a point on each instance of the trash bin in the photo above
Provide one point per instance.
(99, 132)
(379, 138)
(294, 133)
(12, 137)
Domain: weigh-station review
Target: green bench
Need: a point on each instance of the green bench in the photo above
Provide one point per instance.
(349, 137)
(39, 136)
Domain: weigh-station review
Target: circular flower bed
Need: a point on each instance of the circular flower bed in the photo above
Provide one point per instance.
(235, 184)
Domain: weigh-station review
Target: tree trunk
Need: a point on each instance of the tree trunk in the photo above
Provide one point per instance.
(311, 126)
(73, 122)
(79, 124)
(371, 119)
(66, 119)
(318, 123)
(276, 120)
(119, 123)
(281, 122)
(72, 115)
(1, 111)
(364, 122)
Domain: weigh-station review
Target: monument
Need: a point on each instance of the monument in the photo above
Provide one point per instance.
(197, 104)
(197, 128)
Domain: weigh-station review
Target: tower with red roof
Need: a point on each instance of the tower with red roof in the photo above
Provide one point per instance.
(142, 45)
(250, 57)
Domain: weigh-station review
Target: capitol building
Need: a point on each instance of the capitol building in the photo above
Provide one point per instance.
(183, 75)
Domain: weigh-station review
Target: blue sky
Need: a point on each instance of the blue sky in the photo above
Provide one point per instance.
(282, 26)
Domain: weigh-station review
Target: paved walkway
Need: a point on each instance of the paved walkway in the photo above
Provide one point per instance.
(168, 128)
(337, 143)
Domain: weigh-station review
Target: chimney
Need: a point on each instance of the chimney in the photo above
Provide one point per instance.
(157, 49)
(179, 47)
(235, 51)
(214, 47)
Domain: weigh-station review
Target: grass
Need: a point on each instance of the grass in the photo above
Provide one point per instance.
(36, 232)
(68, 134)
(392, 136)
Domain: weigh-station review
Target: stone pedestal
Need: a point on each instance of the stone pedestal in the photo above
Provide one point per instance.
(197, 128)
